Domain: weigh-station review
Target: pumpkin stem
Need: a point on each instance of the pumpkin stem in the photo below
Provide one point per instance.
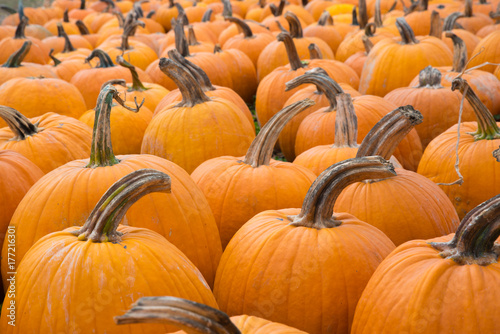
(325, 19)
(197, 72)
(119, 82)
(377, 18)
(207, 16)
(450, 21)
(474, 241)
(261, 150)
(68, 47)
(82, 4)
(54, 59)
(128, 31)
(346, 122)
(324, 84)
(227, 10)
(151, 14)
(18, 123)
(7, 9)
(363, 14)
(317, 208)
(496, 154)
(104, 219)
(192, 36)
(459, 52)
(21, 27)
(181, 43)
(386, 135)
(367, 43)
(104, 58)
(189, 316)
(242, 25)
(429, 77)
(137, 85)
(436, 29)
(468, 8)
(277, 11)
(295, 26)
(181, 17)
(291, 51)
(370, 29)
(17, 57)
(119, 16)
(487, 128)
(191, 91)
(101, 153)
(314, 52)
(407, 35)
(82, 28)
(354, 17)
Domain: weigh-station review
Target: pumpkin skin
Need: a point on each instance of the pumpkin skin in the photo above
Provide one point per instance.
(54, 146)
(114, 276)
(491, 52)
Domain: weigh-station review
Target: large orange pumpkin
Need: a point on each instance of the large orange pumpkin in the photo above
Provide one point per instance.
(307, 267)
(86, 275)
(238, 188)
(196, 318)
(443, 285)
(481, 175)
(197, 129)
(182, 217)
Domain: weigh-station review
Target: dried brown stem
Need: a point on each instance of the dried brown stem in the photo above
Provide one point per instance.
(436, 27)
(429, 77)
(18, 123)
(17, 57)
(407, 35)
(459, 52)
(346, 122)
(291, 51)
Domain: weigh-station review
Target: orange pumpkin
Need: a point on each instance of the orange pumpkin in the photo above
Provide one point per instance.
(49, 140)
(309, 255)
(198, 318)
(469, 38)
(471, 21)
(184, 217)
(325, 30)
(102, 267)
(437, 282)
(490, 52)
(274, 184)
(477, 141)
(60, 41)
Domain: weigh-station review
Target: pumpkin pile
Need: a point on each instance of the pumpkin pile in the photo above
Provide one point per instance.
(250, 166)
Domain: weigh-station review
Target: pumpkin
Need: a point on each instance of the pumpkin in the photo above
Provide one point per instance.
(274, 184)
(234, 30)
(37, 96)
(434, 284)
(308, 266)
(477, 141)
(326, 31)
(469, 38)
(318, 93)
(438, 104)
(85, 33)
(101, 268)
(193, 44)
(391, 65)
(318, 128)
(473, 22)
(490, 52)
(206, 85)
(421, 209)
(183, 217)
(15, 68)
(357, 60)
(66, 69)
(89, 81)
(59, 42)
(49, 140)
(197, 129)
(197, 318)
(67, 24)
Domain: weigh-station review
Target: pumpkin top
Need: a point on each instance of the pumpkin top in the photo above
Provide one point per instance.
(242, 25)
(82, 28)
(21, 27)
(325, 19)
(188, 315)
(459, 52)
(104, 59)
(103, 221)
(450, 22)
(137, 85)
(474, 241)
(197, 72)
(346, 122)
(181, 43)
(17, 57)
(407, 34)
(295, 26)
(261, 150)
(291, 51)
(429, 77)
(436, 27)
(129, 30)
(314, 52)
(317, 208)
(68, 47)
(487, 127)
(18, 123)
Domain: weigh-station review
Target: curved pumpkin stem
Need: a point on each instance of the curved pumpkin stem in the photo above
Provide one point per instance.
(468, 10)
(191, 91)
(367, 43)
(137, 85)
(429, 77)
(436, 29)
(227, 10)
(197, 72)
(82, 28)
(68, 47)
(450, 21)
(317, 209)
(207, 16)
(181, 43)
(261, 150)
(54, 59)
(189, 316)
(65, 16)
(474, 241)
(324, 84)
(101, 153)
(21, 27)
(386, 135)
(325, 19)
(18, 123)
(291, 51)
(377, 17)
(363, 14)
(247, 31)
(314, 52)
(354, 17)
(17, 57)
(119, 82)
(128, 31)
(104, 59)
(295, 26)
(103, 221)
(346, 122)
(7, 9)
(370, 29)
(407, 35)
(459, 52)
(487, 127)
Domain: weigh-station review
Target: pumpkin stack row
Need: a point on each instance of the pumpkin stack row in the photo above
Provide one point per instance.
(250, 166)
